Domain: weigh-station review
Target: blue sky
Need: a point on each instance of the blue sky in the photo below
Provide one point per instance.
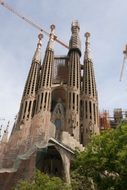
(105, 20)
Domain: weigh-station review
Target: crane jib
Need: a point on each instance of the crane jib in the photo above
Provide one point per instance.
(5, 5)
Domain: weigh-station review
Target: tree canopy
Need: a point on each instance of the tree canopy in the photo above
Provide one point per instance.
(104, 161)
(42, 181)
(101, 166)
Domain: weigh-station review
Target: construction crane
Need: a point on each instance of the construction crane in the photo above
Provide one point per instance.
(29, 21)
(124, 59)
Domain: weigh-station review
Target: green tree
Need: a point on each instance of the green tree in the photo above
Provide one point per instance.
(80, 182)
(42, 181)
(104, 161)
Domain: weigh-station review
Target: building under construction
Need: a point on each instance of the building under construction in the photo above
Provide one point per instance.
(107, 122)
(58, 112)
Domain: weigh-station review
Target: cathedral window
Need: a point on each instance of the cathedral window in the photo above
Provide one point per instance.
(41, 100)
(77, 104)
(25, 109)
(90, 109)
(37, 102)
(45, 100)
(81, 108)
(89, 80)
(70, 76)
(49, 102)
(30, 79)
(69, 100)
(73, 100)
(48, 75)
(29, 109)
(74, 71)
(94, 113)
(34, 78)
(86, 108)
(33, 109)
(78, 75)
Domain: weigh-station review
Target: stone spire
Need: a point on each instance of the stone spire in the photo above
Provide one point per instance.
(87, 46)
(89, 96)
(75, 42)
(89, 85)
(37, 55)
(73, 120)
(51, 41)
(44, 94)
(28, 99)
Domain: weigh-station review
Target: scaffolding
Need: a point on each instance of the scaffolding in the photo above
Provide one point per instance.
(104, 120)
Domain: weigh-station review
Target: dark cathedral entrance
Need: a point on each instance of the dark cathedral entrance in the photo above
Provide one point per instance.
(49, 161)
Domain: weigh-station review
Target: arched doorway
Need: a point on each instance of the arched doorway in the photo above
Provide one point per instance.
(49, 161)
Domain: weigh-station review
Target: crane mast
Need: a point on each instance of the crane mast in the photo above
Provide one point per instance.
(123, 65)
(29, 21)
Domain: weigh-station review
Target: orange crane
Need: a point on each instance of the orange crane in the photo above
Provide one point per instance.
(29, 21)
(124, 59)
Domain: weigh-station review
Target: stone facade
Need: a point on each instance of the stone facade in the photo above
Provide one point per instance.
(58, 113)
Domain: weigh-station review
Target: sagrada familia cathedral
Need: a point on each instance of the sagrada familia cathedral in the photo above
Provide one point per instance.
(57, 115)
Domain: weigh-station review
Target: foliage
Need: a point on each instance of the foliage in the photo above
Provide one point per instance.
(79, 182)
(104, 161)
(42, 182)
(103, 164)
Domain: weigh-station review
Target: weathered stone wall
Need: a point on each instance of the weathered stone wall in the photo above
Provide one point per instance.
(25, 171)
(17, 157)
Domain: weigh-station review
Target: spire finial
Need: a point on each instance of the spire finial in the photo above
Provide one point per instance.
(87, 45)
(87, 35)
(75, 24)
(75, 42)
(52, 27)
(51, 37)
(37, 56)
(40, 36)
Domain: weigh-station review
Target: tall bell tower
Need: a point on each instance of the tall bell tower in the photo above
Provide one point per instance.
(73, 93)
(27, 105)
(58, 112)
(44, 91)
(89, 96)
